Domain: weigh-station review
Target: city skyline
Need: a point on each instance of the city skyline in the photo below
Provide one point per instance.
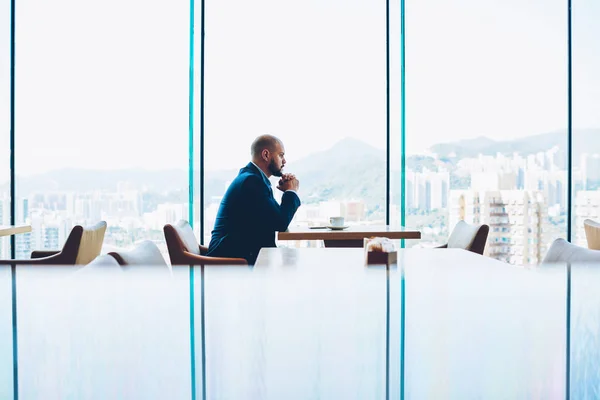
(137, 210)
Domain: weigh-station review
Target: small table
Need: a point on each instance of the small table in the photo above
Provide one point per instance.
(7, 230)
(351, 237)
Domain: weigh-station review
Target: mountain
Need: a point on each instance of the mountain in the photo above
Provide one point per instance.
(584, 141)
(463, 146)
(349, 169)
(84, 180)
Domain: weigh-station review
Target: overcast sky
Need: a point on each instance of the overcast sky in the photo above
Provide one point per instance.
(105, 84)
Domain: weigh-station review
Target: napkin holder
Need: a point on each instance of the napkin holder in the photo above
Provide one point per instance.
(378, 256)
(381, 257)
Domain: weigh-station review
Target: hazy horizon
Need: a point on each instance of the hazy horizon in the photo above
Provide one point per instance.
(291, 160)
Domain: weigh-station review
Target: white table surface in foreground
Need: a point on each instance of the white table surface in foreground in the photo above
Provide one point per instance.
(7, 230)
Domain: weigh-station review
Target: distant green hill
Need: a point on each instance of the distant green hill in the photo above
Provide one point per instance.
(349, 169)
(584, 141)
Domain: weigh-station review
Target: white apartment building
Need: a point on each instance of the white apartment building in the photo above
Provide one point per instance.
(590, 168)
(515, 218)
(587, 205)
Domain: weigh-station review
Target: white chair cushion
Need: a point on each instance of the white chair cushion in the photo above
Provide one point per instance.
(145, 253)
(103, 261)
(186, 233)
(463, 235)
(562, 251)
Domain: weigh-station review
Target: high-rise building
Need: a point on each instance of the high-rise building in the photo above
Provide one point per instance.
(51, 237)
(587, 205)
(590, 168)
(353, 210)
(5, 210)
(493, 180)
(23, 212)
(515, 219)
(410, 190)
(23, 246)
(427, 190)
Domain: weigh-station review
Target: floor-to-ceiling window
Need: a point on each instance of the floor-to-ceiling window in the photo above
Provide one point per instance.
(5, 91)
(101, 119)
(486, 122)
(103, 115)
(196, 44)
(313, 74)
(586, 115)
(396, 114)
(6, 332)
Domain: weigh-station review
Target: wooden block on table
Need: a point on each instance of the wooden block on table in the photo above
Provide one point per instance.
(380, 257)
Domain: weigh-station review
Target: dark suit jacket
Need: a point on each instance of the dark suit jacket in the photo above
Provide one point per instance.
(249, 215)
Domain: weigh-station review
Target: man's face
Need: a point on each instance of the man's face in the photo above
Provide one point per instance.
(277, 161)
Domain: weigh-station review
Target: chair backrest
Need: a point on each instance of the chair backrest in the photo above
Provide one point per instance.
(592, 234)
(185, 250)
(90, 244)
(144, 253)
(562, 251)
(469, 237)
(187, 236)
(180, 238)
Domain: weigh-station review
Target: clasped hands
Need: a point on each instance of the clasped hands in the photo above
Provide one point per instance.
(288, 182)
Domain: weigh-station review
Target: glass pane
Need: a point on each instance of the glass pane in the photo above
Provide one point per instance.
(299, 328)
(102, 116)
(486, 122)
(6, 331)
(483, 330)
(586, 115)
(585, 332)
(104, 333)
(6, 334)
(196, 119)
(396, 117)
(313, 74)
(395, 335)
(5, 124)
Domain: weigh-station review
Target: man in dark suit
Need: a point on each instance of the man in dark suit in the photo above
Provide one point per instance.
(249, 215)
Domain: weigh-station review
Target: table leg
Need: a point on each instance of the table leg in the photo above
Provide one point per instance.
(344, 243)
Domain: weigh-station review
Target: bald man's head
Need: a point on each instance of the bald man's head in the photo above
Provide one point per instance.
(264, 142)
(268, 154)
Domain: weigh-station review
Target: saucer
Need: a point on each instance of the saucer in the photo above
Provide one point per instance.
(337, 228)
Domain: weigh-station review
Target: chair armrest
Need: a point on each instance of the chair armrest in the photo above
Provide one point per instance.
(204, 260)
(50, 260)
(444, 246)
(43, 253)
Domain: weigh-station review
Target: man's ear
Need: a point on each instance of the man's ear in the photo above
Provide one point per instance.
(265, 154)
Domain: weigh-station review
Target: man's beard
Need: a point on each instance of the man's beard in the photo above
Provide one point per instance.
(273, 169)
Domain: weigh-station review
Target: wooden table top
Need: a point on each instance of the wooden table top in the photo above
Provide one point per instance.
(355, 232)
(7, 230)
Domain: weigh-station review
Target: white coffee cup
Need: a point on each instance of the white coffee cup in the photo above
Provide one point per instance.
(336, 221)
